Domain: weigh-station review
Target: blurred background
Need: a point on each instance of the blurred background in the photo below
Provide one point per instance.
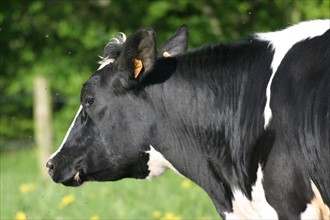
(57, 42)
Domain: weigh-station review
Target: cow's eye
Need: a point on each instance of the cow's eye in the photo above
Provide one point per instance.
(88, 101)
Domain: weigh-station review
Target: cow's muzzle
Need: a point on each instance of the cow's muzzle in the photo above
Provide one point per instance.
(75, 180)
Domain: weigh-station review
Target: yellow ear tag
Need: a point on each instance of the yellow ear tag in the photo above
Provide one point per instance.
(166, 54)
(138, 67)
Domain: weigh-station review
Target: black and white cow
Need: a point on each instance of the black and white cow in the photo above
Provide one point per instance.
(248, 122)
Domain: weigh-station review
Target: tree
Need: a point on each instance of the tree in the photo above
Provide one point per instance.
(61, 40)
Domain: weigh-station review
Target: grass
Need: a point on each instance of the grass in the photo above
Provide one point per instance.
(25, 195)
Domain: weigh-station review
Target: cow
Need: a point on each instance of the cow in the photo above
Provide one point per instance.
(249, 122)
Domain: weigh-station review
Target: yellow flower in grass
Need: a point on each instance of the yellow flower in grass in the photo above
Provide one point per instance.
(171, 216)
(156, 214)
(20, 216)
(27, 187)
(94, 217)
(186, 184)
(66, 200)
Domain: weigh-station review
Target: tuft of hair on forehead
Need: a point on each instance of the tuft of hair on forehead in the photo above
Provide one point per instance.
(113, 48)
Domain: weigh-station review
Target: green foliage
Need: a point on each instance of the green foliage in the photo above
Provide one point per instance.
(61, 40)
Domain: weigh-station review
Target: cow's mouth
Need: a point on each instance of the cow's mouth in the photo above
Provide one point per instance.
(77, 180)
(80, 177)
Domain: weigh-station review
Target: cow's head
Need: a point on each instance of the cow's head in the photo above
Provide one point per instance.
(109, 137)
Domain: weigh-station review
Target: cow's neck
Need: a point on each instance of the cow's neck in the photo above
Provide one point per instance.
(210, 118)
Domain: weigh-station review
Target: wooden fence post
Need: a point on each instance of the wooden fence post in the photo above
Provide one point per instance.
(43, 132)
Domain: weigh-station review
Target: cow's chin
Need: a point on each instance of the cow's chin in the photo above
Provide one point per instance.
(80, 177)
(77, 180)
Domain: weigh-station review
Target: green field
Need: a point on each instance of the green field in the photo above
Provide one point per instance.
(25, 196)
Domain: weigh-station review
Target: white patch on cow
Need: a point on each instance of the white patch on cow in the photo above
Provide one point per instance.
(157, 164)
(316, 209)
(281, 42)
(257, 208)
(311, 212)
(67, 134)
(105, 62)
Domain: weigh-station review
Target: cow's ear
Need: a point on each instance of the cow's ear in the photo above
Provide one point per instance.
(139, 54)
(177, 44)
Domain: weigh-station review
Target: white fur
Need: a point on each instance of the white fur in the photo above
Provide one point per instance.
(282, 41)
(67, 134)
(157, 164)
(105, 62)
(121, 39)
(316, 209)
(258, 208)
(311, 212)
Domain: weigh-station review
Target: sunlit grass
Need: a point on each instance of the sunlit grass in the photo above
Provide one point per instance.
(25, 196)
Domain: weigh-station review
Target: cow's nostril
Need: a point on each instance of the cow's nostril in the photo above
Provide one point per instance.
(50, 167)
